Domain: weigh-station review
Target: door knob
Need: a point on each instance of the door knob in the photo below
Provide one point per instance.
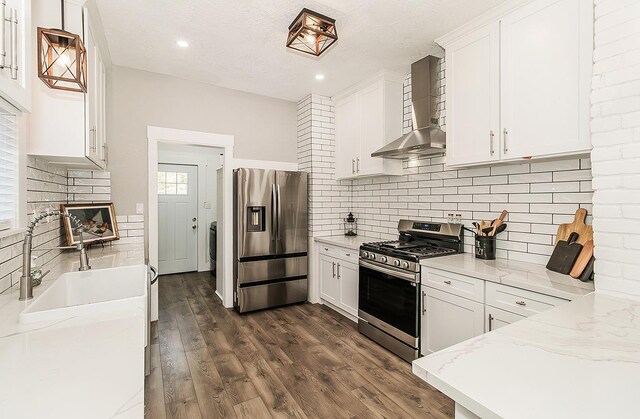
(193, 219)
(194, 226)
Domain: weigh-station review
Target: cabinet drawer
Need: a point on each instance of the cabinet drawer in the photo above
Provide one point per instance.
(519, 301)
(349, 255)
(326, 249)
(461, 285)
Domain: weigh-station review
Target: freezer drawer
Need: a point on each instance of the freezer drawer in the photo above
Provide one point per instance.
(271, 269)
(270, 295)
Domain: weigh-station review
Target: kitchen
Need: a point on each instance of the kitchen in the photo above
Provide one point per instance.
(355, 283)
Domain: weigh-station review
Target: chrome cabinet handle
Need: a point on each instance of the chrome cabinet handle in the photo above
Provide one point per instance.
(338, 270)
(14, 44)
(326, 249)
(491, 137)
(447, 282)
(505, 133)
(521, 303)
(490, 319)
(334, 269)
(424, 307)
(3, 19)
(92, 132)
(153, 270)
(353, 167)
(347, 254)
(358, 165)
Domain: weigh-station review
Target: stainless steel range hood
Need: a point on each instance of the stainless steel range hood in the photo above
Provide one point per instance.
(427, 137)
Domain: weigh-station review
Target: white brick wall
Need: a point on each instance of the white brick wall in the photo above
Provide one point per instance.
(89, 186)
(615, 133)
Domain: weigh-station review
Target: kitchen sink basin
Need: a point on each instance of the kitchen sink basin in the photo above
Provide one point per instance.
(90, 292)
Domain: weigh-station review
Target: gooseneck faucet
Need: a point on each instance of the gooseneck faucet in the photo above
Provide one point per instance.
(26, 280)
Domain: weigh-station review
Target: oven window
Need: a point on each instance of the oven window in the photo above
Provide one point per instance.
(390, 299)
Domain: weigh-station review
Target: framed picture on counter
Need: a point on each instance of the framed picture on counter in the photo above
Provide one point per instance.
(98, 223)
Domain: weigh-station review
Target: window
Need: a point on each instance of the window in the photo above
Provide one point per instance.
(8, 171)
(172, 183)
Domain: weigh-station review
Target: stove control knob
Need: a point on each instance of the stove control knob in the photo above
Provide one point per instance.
(396, 262)
(365, 254)
(372, 256)
(405, 264)
(383, 259)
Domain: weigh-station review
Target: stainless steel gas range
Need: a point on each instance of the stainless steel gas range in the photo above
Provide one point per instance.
(389, 285)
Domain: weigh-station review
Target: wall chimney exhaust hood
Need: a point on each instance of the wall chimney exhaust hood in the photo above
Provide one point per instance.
(426, 138)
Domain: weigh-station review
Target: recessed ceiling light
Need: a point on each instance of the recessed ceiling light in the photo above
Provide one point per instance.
(182, 44)
(319, 76)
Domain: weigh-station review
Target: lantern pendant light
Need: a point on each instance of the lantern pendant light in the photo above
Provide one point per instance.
(62, 58)
(312, 33)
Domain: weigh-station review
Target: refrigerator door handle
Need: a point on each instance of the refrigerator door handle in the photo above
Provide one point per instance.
(274, 221)
(279, 212)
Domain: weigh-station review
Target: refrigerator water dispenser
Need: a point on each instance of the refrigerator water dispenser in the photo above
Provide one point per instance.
(256, 219)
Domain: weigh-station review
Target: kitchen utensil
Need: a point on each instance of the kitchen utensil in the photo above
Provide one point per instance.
(587, 274)
(477, 226)
(486, 231)
(565, 254)
(503, 215)
(584, 231)
(484, 224)
(497, 223)
(500, 229)
(583, 259)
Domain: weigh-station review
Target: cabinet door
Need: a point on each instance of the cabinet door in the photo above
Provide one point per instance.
(371, 129)
(93, 91)
(447, 320)
(101, 120)
(496, 318)
(348, 276)
(329, 286)
(472, 95)
(546, 50)
(15, 77)
(347, 136)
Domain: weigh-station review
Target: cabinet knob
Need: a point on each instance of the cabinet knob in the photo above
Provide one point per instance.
(447, 282)
(521, 303)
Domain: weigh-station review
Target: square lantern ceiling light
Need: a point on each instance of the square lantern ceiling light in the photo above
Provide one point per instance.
(312, 33)
(62, 60)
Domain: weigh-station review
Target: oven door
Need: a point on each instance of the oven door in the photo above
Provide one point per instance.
(389, 299)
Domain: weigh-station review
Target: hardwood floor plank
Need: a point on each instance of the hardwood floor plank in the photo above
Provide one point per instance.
(184, 409)
(379, 403)
(235, 379)
(252, 409)
(212, 397)
(154, 406)
(176, 375)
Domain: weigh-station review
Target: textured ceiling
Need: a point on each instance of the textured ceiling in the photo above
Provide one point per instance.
(240, 44)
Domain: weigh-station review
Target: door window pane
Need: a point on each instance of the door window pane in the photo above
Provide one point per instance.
(182, 189)
(181, 178)
(173, 183)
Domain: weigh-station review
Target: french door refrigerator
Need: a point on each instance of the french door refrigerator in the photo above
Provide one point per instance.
(270, 238)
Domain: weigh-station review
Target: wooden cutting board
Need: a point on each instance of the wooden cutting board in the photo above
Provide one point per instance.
(578, 225)
(583, 260)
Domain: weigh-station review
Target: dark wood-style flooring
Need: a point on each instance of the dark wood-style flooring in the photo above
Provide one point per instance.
(303, 361)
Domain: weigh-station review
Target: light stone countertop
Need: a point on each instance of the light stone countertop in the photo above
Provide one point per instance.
(352, 243)
(81, 367)
(524, 275)
(578, 360)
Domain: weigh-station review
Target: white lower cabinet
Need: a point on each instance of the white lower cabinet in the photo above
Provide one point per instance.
(339, 275)
(447, 319)
(497, 318)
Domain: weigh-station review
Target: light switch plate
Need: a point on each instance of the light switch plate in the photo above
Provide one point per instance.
(139, 208)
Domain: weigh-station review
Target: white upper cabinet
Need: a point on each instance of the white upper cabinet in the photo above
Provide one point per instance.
(473, 97)
(79, 139)
(16, 52)
(518, 83)
(368, 116)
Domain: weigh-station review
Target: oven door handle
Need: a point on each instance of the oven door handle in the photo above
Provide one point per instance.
(399, 274)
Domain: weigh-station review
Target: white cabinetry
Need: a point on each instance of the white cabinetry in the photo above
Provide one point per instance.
(448, 319)
(368, 116)
(339, 275)
(68, 128)
(518, 83)
(15, 43)
(496, 318)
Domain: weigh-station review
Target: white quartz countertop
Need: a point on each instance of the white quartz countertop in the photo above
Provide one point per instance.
(81, 367)
(578, 360)
(524, 275)
(353, 243)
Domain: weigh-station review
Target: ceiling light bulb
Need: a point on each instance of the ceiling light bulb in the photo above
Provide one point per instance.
(310, 39)
(63, 59)
(319, 76)
(182, 44)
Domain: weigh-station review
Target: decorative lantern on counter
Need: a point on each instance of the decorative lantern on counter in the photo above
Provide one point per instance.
(350, 225)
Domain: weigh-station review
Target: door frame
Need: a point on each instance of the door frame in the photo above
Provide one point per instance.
(156, 135)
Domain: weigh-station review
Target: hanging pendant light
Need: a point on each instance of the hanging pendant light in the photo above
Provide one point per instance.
(312, 33)
(62, 59)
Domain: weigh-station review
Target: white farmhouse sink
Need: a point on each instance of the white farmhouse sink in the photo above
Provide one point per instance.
(90, 292)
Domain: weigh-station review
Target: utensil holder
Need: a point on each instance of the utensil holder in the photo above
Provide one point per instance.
(485, 247)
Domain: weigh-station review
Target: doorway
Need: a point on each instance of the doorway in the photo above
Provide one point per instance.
(177, 218)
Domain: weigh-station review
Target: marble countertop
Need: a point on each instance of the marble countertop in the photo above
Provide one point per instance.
(80, 367)
(578, 360)
(524, 275)
(353, 243)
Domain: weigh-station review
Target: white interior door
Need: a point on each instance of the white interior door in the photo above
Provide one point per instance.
(177, 218)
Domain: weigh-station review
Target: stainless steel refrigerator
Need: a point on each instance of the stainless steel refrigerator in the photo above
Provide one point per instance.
(270, 238)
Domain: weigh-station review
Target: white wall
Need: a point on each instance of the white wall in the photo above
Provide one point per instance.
(615, 134)
(207, 159)
(264, 128)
